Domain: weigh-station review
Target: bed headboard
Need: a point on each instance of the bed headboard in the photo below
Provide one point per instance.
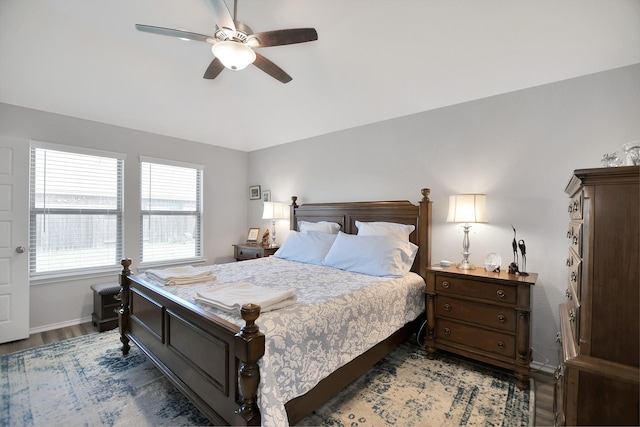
(347, 213)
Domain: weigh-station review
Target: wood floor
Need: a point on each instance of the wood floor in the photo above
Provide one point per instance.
(544, 381)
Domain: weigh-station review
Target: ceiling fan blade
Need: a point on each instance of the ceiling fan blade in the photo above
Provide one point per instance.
(282, 37)
(223, 17)
(173, 33)
(214, 69)
(272, 69)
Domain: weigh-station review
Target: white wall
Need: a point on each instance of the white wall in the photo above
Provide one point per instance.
(519, 148)
(225, 198)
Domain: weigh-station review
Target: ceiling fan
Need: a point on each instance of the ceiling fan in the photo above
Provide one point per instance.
(233, 42)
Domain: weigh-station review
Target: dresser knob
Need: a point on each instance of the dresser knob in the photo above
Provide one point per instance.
(447, 307)
(558, 337)
(572, 315)
(501, 318)
(447, 331)
(500, 293)
(500, 344)
(575, 240)
(567, 294)
(446, 284)
(574, 276)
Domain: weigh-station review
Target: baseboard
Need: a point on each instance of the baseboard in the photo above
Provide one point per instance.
(59, 325)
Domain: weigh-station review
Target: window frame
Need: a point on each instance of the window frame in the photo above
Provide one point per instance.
(36, 277)
(199, 213)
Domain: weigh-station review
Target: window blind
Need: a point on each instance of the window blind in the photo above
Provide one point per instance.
(75, 211)
(171, 211)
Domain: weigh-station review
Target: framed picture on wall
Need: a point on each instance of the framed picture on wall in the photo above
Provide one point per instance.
(266, 196)
(254, 192)
(252, 236)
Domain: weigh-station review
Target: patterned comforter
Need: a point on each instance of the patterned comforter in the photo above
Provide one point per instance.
(338, 316)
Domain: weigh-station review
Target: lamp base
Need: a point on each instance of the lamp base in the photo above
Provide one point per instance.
(466, 265)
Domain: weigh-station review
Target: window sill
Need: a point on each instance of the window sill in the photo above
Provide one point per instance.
(64, 276)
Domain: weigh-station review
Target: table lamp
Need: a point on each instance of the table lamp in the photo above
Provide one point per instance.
(467, 209)
(273, 211)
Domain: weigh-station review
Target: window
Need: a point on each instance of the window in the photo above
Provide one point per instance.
(76, 209)
(171, 210)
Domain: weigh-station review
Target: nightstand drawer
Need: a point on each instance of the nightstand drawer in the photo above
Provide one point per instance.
(481, 339)
(249, 253)
(501, 293)
(496, 317)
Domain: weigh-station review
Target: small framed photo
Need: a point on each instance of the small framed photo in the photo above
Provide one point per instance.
(252, 236)
(254, 192)
(266, 196)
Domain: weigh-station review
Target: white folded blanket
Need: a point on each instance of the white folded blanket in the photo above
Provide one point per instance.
(180, 275)
(232, 296)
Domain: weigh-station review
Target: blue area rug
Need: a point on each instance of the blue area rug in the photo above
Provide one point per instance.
(87, 381)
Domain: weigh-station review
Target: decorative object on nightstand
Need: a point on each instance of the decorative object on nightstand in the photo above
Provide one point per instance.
(598, 377)
(482, 315)
(273, 211)
(242, 252)
(467, 209)
(252, 235)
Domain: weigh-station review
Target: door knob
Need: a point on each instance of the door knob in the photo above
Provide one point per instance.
(20, 249)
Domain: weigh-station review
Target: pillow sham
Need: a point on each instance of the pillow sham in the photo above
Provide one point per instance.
(373, 255)
(323, 226)
(391, 229)
(310, 247)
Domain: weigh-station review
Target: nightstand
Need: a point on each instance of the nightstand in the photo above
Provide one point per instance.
(245, 251)
(481, 315)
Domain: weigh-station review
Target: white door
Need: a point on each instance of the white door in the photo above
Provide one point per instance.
(14, 256)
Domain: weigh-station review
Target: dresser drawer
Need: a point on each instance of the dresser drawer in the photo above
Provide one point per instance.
(574, 235)
(574, 271)
(501, 293)
(476, 337)
(575, 206)
(492, 316)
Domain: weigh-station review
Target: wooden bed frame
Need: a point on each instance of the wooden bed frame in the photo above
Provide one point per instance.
(213, 362)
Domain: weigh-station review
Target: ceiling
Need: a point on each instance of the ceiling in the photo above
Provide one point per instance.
(374, 60)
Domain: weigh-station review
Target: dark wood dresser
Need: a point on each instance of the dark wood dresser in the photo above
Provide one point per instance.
(597, 380)
(481, 315)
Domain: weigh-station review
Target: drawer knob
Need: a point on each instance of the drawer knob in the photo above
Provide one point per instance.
(575, 240)
(500, 293)
(447, 331)
(446, 285)
(117, 297)
(567, 294)
(501, 318)
(572, 315)
(574, 276)
(447, 307)
(500, 344)
(558, 337)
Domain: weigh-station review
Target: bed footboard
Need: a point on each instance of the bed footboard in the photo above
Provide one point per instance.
(212, 362)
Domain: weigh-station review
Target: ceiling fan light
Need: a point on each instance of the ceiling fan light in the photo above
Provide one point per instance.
(234, 55)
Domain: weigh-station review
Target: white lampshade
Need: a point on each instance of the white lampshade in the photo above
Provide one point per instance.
(234, 55)
(273, 210)
(467, 208)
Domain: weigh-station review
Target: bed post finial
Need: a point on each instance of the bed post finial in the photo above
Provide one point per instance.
(249, 349)
(425, 194)
(293, 223)
(123, 311)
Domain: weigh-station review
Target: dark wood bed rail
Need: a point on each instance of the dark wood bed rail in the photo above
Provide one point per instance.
(249, 349)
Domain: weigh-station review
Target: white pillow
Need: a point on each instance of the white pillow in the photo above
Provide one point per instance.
(372, 255)
(391, 229)
(324, 226)
(308, 247)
